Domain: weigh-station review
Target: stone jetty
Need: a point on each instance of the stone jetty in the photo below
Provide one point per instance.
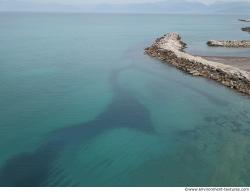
(170, 49)
(229, 44)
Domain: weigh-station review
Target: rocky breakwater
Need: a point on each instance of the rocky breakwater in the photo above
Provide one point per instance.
(230, 44)
(170, 48)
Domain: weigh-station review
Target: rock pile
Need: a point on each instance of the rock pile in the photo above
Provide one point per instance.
(244, 20)
(247, 29)
(170, 48)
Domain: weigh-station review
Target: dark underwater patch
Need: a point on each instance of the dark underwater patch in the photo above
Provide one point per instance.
(32, 169)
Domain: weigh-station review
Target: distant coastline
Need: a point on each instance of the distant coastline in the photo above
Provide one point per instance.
(170, 48)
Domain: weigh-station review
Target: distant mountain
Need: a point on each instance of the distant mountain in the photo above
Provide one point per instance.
(178, 6)
(231, 8)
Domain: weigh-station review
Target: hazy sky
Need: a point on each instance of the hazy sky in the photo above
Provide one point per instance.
(134, 6)
(74, 2)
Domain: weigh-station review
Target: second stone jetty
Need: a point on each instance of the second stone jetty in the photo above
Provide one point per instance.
(229, 44)
(170, 48)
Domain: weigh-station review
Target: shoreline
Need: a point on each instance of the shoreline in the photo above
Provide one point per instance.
(243, 63)
(170, 48)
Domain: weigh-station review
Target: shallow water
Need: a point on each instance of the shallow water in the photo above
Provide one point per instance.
(81, 105)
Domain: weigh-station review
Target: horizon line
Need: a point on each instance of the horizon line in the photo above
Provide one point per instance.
(113, 12)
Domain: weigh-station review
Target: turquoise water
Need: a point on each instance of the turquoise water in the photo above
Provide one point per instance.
(81, 105)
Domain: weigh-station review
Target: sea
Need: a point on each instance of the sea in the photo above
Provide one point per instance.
(82, 105)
